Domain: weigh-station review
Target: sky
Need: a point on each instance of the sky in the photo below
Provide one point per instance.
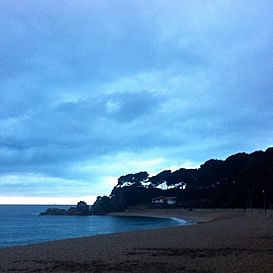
(92, 90)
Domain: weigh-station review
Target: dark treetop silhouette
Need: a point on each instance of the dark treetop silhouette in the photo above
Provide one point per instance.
(241, 180)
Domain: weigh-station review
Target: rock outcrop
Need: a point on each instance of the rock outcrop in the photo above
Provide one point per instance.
(82, 209)
(54, 211)
(105, 204)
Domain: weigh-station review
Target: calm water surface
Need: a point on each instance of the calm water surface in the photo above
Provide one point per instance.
(22, 225)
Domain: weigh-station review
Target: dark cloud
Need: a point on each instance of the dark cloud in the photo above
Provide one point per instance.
(127, 107)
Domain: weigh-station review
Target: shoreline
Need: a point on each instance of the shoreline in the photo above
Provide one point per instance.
(225, 241)
(195, 215)
(118, 214)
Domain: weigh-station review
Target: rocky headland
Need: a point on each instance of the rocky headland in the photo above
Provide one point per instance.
(240, 181)
(82, 209)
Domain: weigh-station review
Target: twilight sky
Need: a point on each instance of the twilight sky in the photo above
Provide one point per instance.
(92, 90)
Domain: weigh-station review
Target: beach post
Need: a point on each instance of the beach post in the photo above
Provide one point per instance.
(263, 191)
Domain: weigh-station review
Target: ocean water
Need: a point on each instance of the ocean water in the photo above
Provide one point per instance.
(22, 225)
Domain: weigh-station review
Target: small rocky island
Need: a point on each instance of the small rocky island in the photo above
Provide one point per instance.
(82, 209)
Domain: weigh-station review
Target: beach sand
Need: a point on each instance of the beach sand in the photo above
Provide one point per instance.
(225, 241)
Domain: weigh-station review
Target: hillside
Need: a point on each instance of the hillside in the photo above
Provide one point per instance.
(241, 180)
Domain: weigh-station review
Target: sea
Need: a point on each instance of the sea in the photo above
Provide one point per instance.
(23, 225)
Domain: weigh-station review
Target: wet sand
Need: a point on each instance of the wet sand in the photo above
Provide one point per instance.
(225, 241)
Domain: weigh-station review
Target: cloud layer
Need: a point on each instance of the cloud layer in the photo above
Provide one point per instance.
(91, 90)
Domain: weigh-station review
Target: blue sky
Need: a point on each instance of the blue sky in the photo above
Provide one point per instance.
(92, 90)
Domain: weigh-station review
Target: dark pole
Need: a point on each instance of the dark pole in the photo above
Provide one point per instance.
(248, 199)
(264, 201)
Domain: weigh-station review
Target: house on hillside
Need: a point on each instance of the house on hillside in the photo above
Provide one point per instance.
(164, 202)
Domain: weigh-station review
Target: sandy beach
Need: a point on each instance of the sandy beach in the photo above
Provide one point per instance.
(223, 241)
